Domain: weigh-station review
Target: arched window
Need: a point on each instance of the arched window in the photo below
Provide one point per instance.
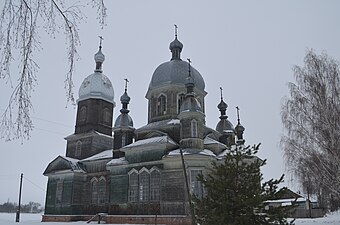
(196, 185)
(180, 99)
(161, 105)
(94, 191)
(133, 186)
(194, 128)
(106, 115)
(155, 182)
(83, 112)
(78, 149)
(102, 190)
(59, 192)
(144, 185)
(123, 139)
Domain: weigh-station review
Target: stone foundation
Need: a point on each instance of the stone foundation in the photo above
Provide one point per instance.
(124, 219)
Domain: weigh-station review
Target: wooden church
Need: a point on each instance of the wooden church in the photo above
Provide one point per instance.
(134, 175)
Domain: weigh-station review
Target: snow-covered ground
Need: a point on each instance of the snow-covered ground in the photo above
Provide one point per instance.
(35, 219)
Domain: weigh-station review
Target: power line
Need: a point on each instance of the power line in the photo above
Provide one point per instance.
(37, 186)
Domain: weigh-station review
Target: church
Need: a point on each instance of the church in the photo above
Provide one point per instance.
(135, 175)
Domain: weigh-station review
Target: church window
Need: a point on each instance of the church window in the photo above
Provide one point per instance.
(133, 186)
(94, 190)
(106, 115)
(123, 139)
(78, 149)
(102, 190)
(180, 99)
(144, 185)
(196, 185)
(161, 105)
(194, 128)
(59, 191)
(83, 112)
(155, 181)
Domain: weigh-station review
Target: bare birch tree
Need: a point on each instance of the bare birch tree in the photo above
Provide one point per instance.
(20, 23)
(310, 116)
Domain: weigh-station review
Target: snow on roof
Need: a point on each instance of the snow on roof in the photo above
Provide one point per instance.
(286, 200)
(87, 135)
(210, 141)
(117, 161)
(153, 140)
(205, 152)
(173, 121)
(158, 124)
(102, 155)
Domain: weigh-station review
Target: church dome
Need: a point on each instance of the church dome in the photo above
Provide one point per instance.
(191, 104)
(175, 72)
(123, 120)
(176, 44)
(97, 85)
(225, 126)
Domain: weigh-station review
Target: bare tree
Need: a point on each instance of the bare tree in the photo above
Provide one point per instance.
(310, 116)
(20, 22)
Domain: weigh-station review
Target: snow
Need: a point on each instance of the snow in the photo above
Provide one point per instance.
(205, 152)
(153, 140)
(35, 219)
(102, 155)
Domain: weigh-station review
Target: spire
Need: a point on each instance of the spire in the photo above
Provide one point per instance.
(189, 83)
(239, 128)
(222, 106)
(176, 47)
(125, 99)
(99, 57)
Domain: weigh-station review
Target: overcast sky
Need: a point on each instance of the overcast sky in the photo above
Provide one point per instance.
(247, 47)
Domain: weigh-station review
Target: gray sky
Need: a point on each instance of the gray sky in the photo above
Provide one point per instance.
(247, 47)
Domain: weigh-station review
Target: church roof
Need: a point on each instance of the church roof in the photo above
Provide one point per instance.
(150, 141)
(175, 72)
(97, 85)
(160, 123)
(117, 161)
(63, 163)
(204, 152)
(102, 155)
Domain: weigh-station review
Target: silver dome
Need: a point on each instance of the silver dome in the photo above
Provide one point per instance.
(123, 120)
(175, 72)
(225, 126)
(97, 85)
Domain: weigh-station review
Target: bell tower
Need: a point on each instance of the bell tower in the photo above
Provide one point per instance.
(93, 130)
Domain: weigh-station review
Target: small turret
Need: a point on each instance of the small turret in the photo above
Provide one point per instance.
(239, 129)
(191, 117)
(123, 128)
(224, 126)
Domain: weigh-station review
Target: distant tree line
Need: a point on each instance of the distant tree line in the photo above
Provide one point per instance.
(31, 207)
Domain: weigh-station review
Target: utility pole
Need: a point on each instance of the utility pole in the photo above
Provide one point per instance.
(17, 218)
(192, 210)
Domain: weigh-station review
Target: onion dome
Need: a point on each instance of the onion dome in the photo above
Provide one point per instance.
(176, 48)
(190, 102)
(124, 119)
(224, 125)
(239, 129)
(97, 85)
(175, 71)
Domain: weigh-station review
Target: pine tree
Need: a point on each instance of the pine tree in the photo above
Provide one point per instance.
(234, 193)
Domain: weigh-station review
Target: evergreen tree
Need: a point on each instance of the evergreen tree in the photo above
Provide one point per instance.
(234, 193)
